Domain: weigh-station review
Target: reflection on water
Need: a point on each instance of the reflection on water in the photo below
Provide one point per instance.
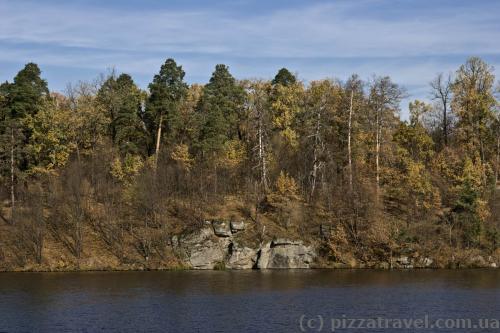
(252, 301)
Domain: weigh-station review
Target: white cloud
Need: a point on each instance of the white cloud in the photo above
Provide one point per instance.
(321, 30)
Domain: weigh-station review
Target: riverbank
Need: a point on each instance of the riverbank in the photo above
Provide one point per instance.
(234, 245)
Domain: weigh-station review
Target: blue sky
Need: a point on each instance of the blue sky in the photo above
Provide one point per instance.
(410, 40)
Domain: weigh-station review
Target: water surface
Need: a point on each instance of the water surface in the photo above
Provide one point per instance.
(240, 301)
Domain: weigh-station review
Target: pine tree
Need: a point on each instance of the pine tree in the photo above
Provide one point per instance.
(284, 77)
(162, 109)
(123, 102)
(221, 108)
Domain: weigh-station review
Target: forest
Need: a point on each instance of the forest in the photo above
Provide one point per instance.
(108, 170)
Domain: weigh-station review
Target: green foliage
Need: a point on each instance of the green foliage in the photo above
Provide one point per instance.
(348, 157)
(221, 108)
(123, 101)
(167, 91)
(284, 77)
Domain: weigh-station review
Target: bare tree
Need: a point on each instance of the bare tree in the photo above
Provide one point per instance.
(441, 91)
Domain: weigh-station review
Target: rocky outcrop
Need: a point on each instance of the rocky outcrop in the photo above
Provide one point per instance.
(202, 249)
(221, 229)
(214, 246)
(283, 253)
(237, 226)
(241, 257)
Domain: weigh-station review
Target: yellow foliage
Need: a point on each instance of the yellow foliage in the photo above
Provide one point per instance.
(233, 154)
(125, 171)
(286, 185)
(181, 155)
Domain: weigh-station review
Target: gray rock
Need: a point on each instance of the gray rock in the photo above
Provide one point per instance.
(201, 250)
(221, 229)
(478, 261)
(282, 254)
(285, 241)
(404, 262)
(237, 226)
(241, 257)
(426, 262)
(264, 255)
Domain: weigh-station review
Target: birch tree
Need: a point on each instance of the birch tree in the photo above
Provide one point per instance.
(385, 97)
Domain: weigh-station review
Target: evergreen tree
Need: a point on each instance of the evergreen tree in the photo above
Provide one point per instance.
(162, 109)
(221, 109)
(284, 77)
(123, 101)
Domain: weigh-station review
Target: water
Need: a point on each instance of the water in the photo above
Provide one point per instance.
(246, 301)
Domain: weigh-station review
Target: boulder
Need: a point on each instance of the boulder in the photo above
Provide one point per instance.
(221, 229)
(404, 262)
(241, 257)
(425, 262)
(283, 253)
(237, 226)
(201, 250)
(478, 261)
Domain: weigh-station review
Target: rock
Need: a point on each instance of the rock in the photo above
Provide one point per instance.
(221, 229)
(384, 265)
(237, 226)
(241, 257)
(426, 262)
(404, 262)
(284, 241)
(478, 261)
(201, 250)
(493, 265)
(283, 253)
(264, 255)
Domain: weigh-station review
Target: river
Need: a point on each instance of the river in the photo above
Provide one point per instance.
(249, 301)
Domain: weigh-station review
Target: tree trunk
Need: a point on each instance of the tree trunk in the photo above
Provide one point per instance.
(497, 173)
(349, 152)
(316, 163)
(158, 140)
(377, 155)
(445, 122)
(262, 157)
(12, 178)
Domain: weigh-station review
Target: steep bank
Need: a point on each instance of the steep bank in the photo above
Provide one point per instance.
(234, 245)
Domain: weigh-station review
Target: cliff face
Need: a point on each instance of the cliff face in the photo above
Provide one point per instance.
(218, 245)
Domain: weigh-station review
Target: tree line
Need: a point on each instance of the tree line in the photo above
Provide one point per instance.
(143, 165)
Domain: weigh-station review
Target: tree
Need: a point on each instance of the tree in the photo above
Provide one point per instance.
(284, 77)
(317, 120)
(470, 208)
(441, 91)
(22, 98)
(384, 100)
(123, 101)
(221, 108)
(259, 115)
(50, 143)
(473, 102)
(166, 92)
(286, 104)
(353, 89)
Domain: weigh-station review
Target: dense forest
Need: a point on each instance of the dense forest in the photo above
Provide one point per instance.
(110, 168)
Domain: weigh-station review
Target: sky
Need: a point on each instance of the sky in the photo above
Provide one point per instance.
(409, 40)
